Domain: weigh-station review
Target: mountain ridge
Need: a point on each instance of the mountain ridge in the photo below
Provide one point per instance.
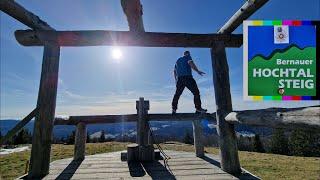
(267, 58)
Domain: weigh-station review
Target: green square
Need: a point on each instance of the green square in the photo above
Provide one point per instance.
(277, 22)
(277, 98)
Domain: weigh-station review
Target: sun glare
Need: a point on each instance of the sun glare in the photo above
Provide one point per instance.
(116, 53)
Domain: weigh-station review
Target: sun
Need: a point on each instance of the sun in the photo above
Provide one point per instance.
(116, 53)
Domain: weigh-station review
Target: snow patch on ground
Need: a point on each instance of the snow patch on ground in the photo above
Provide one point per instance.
(14, 150)
(212, 126)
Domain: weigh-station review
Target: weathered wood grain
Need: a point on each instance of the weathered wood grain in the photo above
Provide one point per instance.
(141, 123)
(197, 138)
(227, 138)
(125, 38)
(80, 142)
(42, 133)
(99, 166)
(26, 17)
(97, 119)
(133, 12)
(101, 119)
(249, 7)
(19, 126)
(289, 118)
(181, 117)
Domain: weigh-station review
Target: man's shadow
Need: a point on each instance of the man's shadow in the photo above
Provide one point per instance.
(154, 169)
(69, 171)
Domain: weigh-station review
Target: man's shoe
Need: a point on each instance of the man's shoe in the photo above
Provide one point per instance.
(174, 111)
(201, 111)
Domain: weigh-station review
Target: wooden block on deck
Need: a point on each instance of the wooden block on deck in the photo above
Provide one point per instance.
(157, 155)
(146, 153)
(132, 152)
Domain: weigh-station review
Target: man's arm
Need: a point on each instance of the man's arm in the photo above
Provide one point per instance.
(175, 73)
(195, 68)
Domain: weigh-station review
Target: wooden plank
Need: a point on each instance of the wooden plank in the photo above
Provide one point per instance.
(97, 119)
(125, 38)
(242, 14)
(181, 117)
(98, 167)
(80, 142)
(197, 138)
(227, 138)
(19, 126)
(42, 133)
(133, 12)
(101, 119)
(289, 118)
(124, 167)
(26, 17)
(167, 176)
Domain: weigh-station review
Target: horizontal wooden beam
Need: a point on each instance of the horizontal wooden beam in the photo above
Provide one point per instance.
(242, 14)
(26, 17)
(102, 119)
(125, 38)
(289, 118)
(99, 119)
(180, 117)
(19, 126)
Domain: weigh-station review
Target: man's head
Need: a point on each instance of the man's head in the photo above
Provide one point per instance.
(186, 53)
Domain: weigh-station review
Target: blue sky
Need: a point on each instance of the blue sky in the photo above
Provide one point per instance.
(92, 82)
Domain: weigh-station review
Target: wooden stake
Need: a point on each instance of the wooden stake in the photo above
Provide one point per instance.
(197, 138)
(227, 138)
(80, 142)
(42, 133)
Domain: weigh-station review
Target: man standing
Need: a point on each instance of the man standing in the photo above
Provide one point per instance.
(183, 77)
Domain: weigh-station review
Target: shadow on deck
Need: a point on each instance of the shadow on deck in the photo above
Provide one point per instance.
(182, 165)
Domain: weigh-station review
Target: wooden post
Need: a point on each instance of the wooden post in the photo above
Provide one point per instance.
(146, 151)
(42, 133)
(227, 138)
(80, 142)
(197, 134)
(142, 107)
(149, 138)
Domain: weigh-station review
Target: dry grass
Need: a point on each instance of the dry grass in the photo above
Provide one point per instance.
(266, 166)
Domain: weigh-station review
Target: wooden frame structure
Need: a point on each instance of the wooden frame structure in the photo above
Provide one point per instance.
(44, 35)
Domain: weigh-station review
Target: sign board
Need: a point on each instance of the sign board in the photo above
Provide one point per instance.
(281, 60)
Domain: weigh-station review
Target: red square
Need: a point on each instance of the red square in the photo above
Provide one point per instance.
(296, 23)
(296, 97)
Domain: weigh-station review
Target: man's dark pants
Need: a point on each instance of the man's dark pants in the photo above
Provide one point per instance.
(190, 83)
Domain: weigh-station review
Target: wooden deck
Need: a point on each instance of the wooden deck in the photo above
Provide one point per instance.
(182, 165)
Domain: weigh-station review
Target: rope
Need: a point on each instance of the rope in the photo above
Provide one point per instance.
(166, 157)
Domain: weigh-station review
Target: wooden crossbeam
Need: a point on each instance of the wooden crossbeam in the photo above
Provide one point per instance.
(242, 14)
(304, 117)
(133, 12)
(180, 117)
(19, 126)
(26, 17)
(102, 119)
(99, 119)
(289, 118)
(124, 38)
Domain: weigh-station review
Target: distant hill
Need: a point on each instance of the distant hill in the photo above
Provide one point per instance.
(165, 129)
